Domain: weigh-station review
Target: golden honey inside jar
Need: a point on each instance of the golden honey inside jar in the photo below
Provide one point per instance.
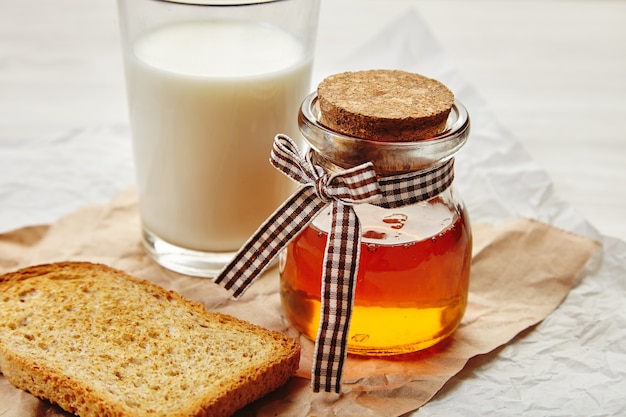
(414, 266)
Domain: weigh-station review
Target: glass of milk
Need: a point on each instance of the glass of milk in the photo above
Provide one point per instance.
(210, 83)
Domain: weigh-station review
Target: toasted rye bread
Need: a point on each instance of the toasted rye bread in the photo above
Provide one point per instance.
(384, 105)
(99, 342)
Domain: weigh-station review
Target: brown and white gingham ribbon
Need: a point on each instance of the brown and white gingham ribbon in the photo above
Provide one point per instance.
(358, 185)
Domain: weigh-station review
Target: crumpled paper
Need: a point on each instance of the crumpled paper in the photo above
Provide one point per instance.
(521, 271)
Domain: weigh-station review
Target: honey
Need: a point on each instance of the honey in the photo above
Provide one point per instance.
(376, 228)
(412, 282)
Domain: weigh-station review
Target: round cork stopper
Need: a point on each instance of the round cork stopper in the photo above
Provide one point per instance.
(384, 105)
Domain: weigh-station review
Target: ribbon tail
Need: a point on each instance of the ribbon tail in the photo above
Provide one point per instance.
(341, 261)
(269, 239)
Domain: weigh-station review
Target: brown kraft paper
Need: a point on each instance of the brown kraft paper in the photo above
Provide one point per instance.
(521, 272)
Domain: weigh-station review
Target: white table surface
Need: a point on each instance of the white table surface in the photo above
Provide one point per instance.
(552, 73)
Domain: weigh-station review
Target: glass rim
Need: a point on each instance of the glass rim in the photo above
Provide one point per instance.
(221, 3)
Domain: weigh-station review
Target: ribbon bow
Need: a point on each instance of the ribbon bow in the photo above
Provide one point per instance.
(355, 185)
(358, 185)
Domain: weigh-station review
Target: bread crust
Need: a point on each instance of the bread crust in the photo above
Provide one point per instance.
(384, 105)
(256, 361)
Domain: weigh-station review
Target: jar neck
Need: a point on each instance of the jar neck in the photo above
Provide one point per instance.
(396, 190)
(415, 166)
(389, 158)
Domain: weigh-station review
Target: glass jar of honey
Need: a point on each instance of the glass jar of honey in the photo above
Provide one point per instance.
(414, 267)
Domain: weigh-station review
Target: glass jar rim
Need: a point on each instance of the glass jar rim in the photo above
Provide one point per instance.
(388, 157)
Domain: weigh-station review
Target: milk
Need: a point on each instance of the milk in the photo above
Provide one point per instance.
(206, 100)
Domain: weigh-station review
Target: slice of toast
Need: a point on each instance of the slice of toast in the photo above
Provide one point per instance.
(99, 342)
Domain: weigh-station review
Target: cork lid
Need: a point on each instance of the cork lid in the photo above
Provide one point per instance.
(384, 105)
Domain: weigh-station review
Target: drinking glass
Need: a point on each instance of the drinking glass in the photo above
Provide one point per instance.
(209, 85)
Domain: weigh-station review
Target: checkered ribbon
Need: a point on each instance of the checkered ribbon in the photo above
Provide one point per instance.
(358, 185)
